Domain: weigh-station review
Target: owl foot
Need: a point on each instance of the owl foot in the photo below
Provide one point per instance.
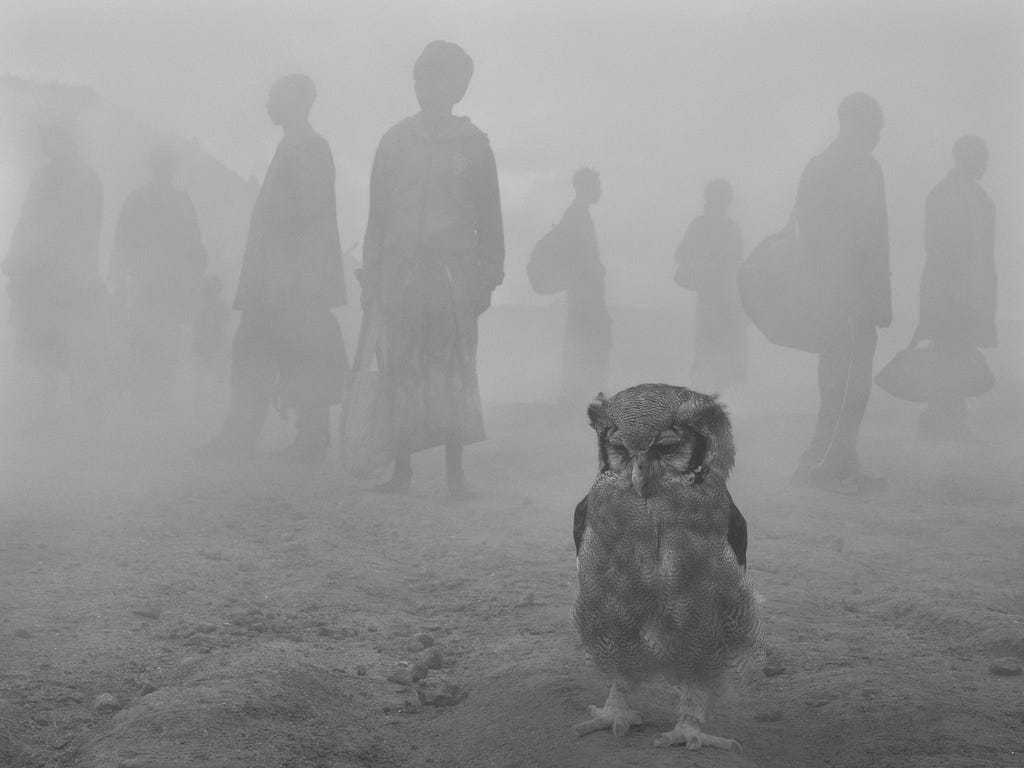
(618, 719)
(690, 735)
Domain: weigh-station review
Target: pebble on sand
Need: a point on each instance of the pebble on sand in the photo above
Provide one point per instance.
(148, 611)
(440, 692)
(1005, 668)
(105, 702)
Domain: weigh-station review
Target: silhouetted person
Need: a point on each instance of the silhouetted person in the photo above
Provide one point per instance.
(588, 338)
(53, 271)
(843, 226)
(433, 253)
(158, 259)
(710, 253)
(288, 344)
(958, 285)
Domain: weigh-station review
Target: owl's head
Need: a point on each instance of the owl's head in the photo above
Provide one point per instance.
(657, 433)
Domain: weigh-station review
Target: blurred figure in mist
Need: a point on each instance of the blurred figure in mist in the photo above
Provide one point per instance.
(288, 346)
(57, 298)
(156, 263)
(588, 327)
(211, 354)
(958, 284)
(433, 253)
(707, 258)
(843, 226)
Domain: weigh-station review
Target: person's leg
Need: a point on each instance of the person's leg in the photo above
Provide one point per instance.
(841, 456)
(833, 370)
(455, 475)
(253, 376)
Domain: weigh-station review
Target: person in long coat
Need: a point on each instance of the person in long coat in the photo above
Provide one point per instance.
(158, 259)
(958, 284)
(843, 225)
(433, 253)
(52, 266)
(288, 345)
(588, 327)
(709, 255)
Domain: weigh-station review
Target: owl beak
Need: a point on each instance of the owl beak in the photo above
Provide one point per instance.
(640, 475)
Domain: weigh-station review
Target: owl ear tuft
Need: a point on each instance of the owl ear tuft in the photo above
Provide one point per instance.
(595, 412)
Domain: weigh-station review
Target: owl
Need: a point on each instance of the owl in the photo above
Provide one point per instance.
(661, 548)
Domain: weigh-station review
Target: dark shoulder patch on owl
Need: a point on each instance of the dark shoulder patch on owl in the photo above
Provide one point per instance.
(737, 535)
(579, 522)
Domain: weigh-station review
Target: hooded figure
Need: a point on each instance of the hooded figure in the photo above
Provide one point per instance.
(433, 253)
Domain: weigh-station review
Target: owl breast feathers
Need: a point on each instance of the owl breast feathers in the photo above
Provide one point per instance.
(661, 591)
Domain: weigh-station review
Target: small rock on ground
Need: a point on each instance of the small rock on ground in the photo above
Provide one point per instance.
(105, 702)
(1005, 668)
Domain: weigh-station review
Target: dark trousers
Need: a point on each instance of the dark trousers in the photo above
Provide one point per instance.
(296, 356)
(845, 377)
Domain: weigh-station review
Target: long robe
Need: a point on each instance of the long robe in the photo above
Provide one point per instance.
(958, 284)
(588, 327)
(158, 248)
(712, 249)
(435, 246)
(53, 261)
(288, 343)
(293, 252)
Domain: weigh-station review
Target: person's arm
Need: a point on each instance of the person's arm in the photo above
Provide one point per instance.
(376, 224)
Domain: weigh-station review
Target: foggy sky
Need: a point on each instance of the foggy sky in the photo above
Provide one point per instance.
(659, 96)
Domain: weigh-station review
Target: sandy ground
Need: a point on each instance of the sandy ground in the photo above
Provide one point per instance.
(251, 613)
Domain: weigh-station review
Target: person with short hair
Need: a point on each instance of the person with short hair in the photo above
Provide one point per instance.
(958, 284)
(288, 346)
(433, 253)
(843, 225)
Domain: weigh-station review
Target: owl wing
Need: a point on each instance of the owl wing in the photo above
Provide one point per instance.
(579, 522)
(737, 535)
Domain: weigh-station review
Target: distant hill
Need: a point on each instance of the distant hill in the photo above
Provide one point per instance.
(117, 145)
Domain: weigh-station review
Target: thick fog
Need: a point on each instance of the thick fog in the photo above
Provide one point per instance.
(214, 546)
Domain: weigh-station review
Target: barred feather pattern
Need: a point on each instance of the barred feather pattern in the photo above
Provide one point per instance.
(660, 592)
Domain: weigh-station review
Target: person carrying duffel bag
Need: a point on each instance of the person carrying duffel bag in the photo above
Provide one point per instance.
(827, 283)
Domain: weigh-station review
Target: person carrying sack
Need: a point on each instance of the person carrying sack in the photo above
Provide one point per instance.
(842, 221)
(958, 301)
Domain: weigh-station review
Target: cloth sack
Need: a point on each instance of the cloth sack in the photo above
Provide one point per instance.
(548, 268)
(365, 441)
(929, 373)
(785, 296)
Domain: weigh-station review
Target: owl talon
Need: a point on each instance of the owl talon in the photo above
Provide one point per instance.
(694, 739)
(614, 718)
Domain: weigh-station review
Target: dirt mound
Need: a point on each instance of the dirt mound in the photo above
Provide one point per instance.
(267, 707)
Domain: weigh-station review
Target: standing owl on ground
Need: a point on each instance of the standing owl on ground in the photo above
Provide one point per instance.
(662, 593)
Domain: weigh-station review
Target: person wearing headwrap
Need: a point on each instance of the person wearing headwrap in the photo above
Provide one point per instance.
(843, 225)
(157, 259)
(433, 253)
(958, 284)
(288, 346)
